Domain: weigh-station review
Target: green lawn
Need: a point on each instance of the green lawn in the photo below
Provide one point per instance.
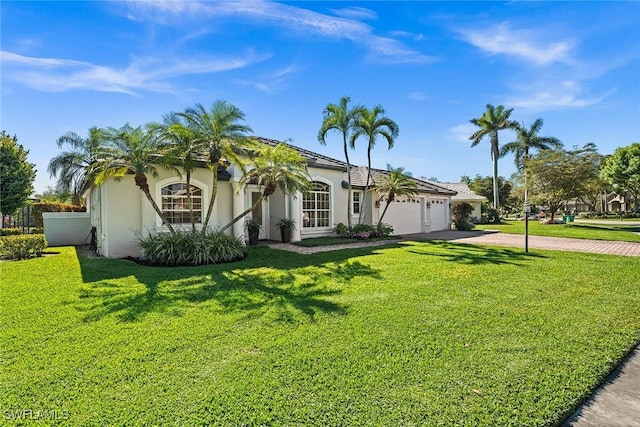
(573, 230)
(428, 333)
(329, 241)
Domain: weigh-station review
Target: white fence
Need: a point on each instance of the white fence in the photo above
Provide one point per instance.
(66, 228)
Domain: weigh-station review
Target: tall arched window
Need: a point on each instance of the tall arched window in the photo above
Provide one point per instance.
(316, 206)
(175, 204)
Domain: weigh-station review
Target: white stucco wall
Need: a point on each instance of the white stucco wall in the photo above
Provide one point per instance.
(66, 228)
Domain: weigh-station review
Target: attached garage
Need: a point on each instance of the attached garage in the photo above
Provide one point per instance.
(438, 213)
(405, 216)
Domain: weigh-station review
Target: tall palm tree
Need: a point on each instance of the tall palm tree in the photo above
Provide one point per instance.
(221, 136)
(395, 183)
(129, 150)
(371, 124)
(493, 120)
(340, 118)
(71, 167)
(181, 153)
(272, 168)
(527, 140)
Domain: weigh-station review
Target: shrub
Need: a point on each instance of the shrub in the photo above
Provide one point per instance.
(10, 231)
(460, 212)
(22, 246)
(37, 231)
(342, 230)
(492, 216)
(189, 248)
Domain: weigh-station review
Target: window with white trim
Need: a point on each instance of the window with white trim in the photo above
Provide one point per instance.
(316, 206)
(175, 203)
(356, 202)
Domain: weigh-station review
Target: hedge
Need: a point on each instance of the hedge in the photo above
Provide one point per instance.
(38, 208)
(22, 246)
(10, 231)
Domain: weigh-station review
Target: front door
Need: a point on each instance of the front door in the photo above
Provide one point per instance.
(260, 214)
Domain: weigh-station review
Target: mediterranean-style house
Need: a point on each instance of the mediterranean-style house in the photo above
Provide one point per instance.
(464, 194)
(119, 211)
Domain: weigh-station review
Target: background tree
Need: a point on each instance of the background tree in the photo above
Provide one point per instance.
(221, 135)
(395, 183)
(16, 175)
(557, 176)
(340, 118)
(493, 120)
(528, 140)
(51, 195)
(271, 168)
(484, 185)
(371, 124)
(622, 170)
(71, 167)
(129, 150)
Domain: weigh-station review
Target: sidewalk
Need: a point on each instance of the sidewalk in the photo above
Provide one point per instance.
(616, 403)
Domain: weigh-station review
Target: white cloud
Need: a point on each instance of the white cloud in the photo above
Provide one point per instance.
(270, 82)
(417, 96)
(289, 18)
(549, 96)
(355, 13)
(524, 44)
(461, 133)
(59, 75)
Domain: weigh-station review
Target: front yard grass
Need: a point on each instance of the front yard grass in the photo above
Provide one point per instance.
(614, 232)
(428, 333)
(329, 241)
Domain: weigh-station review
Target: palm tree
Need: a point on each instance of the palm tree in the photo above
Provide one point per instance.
(395, 183)
(371, 124)
(339, 118)
(129, 150)
(71, 167)
(272, 168)
(528, 139)
(493, 120)
(219, 134)
(181, 149)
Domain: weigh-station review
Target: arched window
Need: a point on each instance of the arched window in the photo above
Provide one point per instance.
(175, 204)
(316, 206)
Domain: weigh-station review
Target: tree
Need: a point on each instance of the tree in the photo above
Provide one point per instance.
(395, 183)
(71, 167)
(622, 170)
(221, 135)
(16, 175)
(527, 140)
(560, 175)
(181, 149)
(129, 150)
(339, 118)
(493, 120)
(371, 124)
(271, 168)
(484, 186)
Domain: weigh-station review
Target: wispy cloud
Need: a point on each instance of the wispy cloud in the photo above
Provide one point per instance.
(269, 83)
(460, 133)
(563, 95)
(524, 44)
(417, 96)
(149, 74)
(355, 13)
(292, 19)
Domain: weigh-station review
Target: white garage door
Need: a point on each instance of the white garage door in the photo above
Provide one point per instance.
(438, 217)
(404, 216)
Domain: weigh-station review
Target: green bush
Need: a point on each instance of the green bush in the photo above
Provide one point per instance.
(342, 230)
(492, 216)
(37, 231)
(460, 213)
(189, 248)
(10, 231)
(363, 231)
(22, 246)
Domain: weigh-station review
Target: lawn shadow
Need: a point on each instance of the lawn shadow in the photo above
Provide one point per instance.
(464, 253)
(284, 285)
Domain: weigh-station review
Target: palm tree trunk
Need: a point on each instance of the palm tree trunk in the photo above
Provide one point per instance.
(384, 212)
(350, 191)
(141, 182)
(214, 193)
(239, 217)
(366, 185)
(494, 155)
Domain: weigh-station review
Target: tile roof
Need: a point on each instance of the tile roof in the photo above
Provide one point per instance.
(359, 179)
(463, 190)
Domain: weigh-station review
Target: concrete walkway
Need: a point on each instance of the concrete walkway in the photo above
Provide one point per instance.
(616, 403)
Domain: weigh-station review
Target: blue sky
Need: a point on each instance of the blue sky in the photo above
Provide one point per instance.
(67, 66)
